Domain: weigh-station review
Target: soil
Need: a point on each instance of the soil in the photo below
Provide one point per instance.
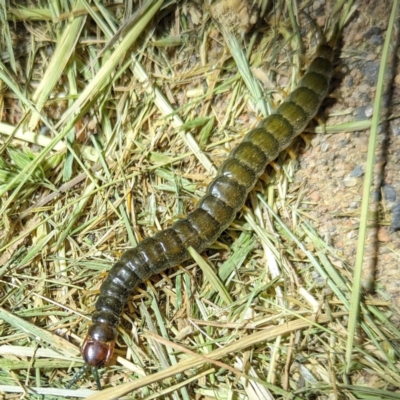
(332, 168)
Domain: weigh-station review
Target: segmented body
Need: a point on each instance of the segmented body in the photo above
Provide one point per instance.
(224, 197)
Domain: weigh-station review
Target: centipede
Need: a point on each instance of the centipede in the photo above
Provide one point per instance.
(223, 199)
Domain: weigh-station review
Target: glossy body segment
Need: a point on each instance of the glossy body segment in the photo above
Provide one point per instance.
(224, 197)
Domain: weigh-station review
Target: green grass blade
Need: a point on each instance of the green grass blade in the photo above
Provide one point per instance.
(355, 301)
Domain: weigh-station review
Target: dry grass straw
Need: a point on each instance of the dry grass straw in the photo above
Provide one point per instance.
(111, 116)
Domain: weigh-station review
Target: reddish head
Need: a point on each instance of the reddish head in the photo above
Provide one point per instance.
(98, 346)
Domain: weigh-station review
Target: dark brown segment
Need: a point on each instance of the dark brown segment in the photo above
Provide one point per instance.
(134, 261)
(251, 156)
(153, 256)
(307, 99)
(294, 114)
(325, 51)
(126, 269)
(105, 317)
(228, 191)
(171, 246)
(316, 82)
(103, 333)
(222, 213)
(114, 287)
(187, 234)
(321, 66)
(280, 127)
(206, 226)
(110, 304)
(264, 140)
(233, 169)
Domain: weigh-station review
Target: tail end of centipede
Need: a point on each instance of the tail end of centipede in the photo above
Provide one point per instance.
(332, 34)
(327, 35)
(338, 18)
